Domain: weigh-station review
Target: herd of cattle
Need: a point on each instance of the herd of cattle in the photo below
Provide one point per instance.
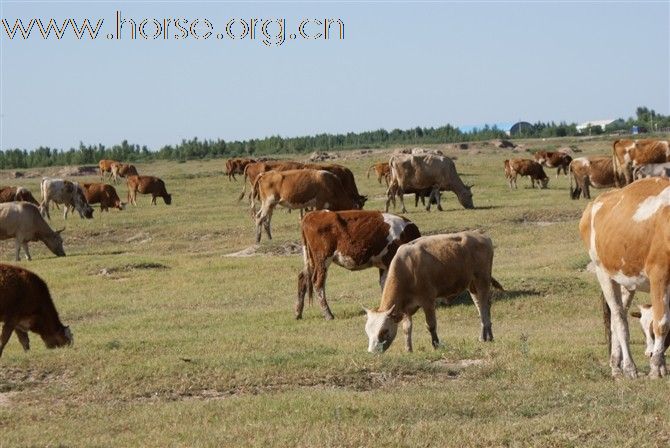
(414, 271)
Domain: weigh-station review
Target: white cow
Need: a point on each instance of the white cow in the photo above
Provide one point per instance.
(64, 192)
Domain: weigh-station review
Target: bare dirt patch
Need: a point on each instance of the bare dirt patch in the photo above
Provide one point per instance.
(284, 249)
(545, 218)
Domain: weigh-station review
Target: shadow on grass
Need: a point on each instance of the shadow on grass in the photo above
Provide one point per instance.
(465, 299)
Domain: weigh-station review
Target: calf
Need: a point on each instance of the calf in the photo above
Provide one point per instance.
(236, 166)
(23, 222)
(147, 185)
(589, 172)
(353, 239)
(26, 305)
(382, 170)
(558, 160)
(296, 189)
(104, 194)
(646, 322)
(105, 166)
(652, 170)
(428, 268)
(64, 192)
(123, 170)
(15, 194)
(525, 167)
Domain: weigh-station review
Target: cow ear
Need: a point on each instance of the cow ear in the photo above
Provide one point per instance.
(367, 311)
(59, 231)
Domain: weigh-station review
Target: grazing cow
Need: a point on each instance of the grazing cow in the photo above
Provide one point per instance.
(123, 170)
(253, 170)
(646, 322)
(382, 170)
(23, 222)
(409, 171)
(236, 166)
(428, 268)
(627, 235)
(346, 177)
(26, 305)
(64, 192)
(147, 185)
(353, 239)
(652, 170)
(628, 154)
(104, 194)
(15, 194)
(525, 167)
(298, 189)
(105, 166)
(594, 171)
(558, 160)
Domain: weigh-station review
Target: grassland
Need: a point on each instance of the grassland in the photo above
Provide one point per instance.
(178, 344)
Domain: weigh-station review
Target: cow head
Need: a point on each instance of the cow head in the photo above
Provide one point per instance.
(544, 182)
(54, 242)
(23, 194)
(381, 329)
(81, 204)
(465, 197)
(168, 199)
(360, 201)
(59, 338)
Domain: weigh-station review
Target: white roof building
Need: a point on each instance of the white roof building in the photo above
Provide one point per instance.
(592, 123)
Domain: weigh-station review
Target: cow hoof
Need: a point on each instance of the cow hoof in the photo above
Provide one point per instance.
(298, 317)
(329, 316)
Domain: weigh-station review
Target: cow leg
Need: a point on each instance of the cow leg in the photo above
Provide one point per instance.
(65, 210)
(481, 296)
(438, 197)
(319, 280)
(153, 199)
(416, 200)
(7, 329)
(586, 191)
(660, 301)
(401, 194)
(24, 245)
(268, 220)
(431, 323)
(261, 217)
(304, 286)
(407, 329)
(23, 339)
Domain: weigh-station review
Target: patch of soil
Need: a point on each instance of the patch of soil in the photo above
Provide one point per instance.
(6, 398)
(108, 272)
(288, 248)
(547, 217)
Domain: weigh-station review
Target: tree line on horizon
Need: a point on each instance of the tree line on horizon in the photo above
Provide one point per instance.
(381, 138)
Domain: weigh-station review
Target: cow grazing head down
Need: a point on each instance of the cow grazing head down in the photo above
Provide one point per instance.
(465, 198)
(381, 329)
(360, 201)
(59, 338)
(168, 199)
(55, 243)
(82, 205)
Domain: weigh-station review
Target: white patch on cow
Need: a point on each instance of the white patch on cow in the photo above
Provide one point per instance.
(583, 161)
(592, 243)
(377, 322)
(344, 260)
(646, 320)
(640, 281)
(396, 226)
(651, 205)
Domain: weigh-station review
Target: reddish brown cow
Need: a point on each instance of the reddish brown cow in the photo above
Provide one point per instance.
(26, 305)
(382, 170)
(104, 194)
(123, 170)
(105, 166)
(629, 154)
(353, 239)
(147, 185)
(253, 170)
(558, 160)
(589, 172)
(525, 167)
(346, 177)
(236, 166)
(15, 194)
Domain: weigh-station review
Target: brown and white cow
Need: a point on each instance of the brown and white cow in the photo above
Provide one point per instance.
(428, 268)
(123, 170)
(646, 322)
(627, 234)
(353, 239)
(418, 172)
(382, 170)
(593, 171)
(103, 194)
(15, 194)
(147, 185)
(105, 166)
(629, 154)
(554, 159)
(26, 305)
(64, 192)
(236, 166)
(525, 167)
(23, 222)
(298, 189)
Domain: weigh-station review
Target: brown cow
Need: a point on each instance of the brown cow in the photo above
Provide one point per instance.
(236, 166)
(353, 239)
(558, 160)
(382, 170)
(253, 170)
(629, 154)
(428, 268)
(346, 177)
(104, 194)
(26, 305)
(23, 222)
(105, 166)
(594, 171)
(525, 167)
(296, 189)
(147, 185)
(123, 170)
(627, 236)
(15, 194)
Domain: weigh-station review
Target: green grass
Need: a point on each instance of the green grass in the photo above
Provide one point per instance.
(177, 344)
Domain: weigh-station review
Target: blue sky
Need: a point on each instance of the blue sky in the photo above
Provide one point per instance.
(399, 65)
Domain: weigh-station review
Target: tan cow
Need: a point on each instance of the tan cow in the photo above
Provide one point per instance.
(627, 235)
(593, 171)
(298, 189)
(382, 170)
(122, 170)
(558, 160)
(353, 239)
(629, 154)
(410, 171)
(15, 194)
(147, 185)
(525, 167)
(236, 166)
(23, 222)
(253, 170)
(26, 305)
(105, 166)
(428, 268)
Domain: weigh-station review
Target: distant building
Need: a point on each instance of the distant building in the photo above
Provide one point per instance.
(593, 123)
(519, 127)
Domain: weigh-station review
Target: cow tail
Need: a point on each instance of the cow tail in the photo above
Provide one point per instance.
(244, 186)
(308, 269)
(255, 194)
(616, 166)
(370, 169)
(570, 175)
